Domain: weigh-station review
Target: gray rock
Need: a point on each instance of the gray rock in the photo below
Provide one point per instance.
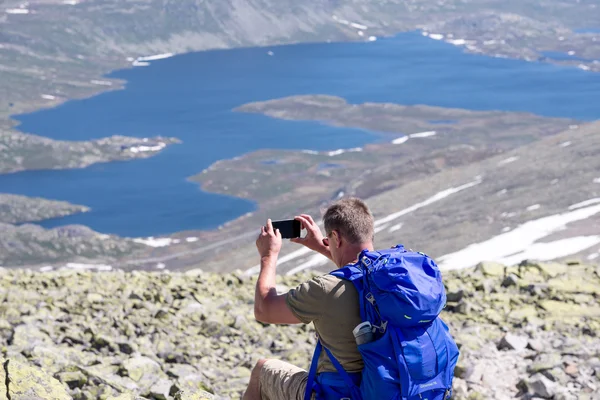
(475, 373)
(542, 386)
(460, 388)
(510, 280)
(537, 345)
(513, 342)
(455, 296)
(161, 389)
(143, 371)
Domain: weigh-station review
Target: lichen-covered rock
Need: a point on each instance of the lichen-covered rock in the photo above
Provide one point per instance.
(193, 395)
(144, 371)
(31, 382)
(196, 332)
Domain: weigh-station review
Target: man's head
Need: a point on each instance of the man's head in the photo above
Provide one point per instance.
(349, 228)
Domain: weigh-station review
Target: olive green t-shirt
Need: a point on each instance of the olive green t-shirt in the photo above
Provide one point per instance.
(331, 304)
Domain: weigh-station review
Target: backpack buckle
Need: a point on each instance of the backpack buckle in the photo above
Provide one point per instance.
(366, 261)
(370, 298)
(383, 326)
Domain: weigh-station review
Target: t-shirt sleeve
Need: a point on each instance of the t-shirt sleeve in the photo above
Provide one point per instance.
(306, 301)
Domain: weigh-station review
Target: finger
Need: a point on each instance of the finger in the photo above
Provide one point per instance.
(305, 223)
(309, 219)
(262, 231)
(277, 233)
(269, 228)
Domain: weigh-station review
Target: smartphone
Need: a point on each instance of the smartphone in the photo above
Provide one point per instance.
(289, 228)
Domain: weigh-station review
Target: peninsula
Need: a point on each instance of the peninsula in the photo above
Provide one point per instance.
(22, 151)
(16, 209)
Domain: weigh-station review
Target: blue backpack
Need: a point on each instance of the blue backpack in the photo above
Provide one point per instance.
(412, 356)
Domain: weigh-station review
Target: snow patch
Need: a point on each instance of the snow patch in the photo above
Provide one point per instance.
(142, 149)
(400, 140)
(534, 207)
(102, 83)
(565, 144)
(315, 261)
(372, 38)
(359, 26)
(47, 268)
(597, 180)
(585, 203)
(48, 97)
(342, 151)
(593, 256)
(282, 260)
(88, 267)
(396, 227)
(155, 57)
(433, 199)
(508, 160)
(458, 42)
(17, 11)
(436, 36)
(154, 242)
(161, 266)
(422, 134)
(521, 242)
(583, 67)
(380, 228)
(191, 239)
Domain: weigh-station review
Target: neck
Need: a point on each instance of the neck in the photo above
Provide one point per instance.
(351, 253)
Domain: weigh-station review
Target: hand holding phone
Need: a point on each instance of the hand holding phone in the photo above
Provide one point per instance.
(289, 228)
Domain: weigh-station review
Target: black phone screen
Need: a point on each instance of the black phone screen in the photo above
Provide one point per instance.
(289, 228)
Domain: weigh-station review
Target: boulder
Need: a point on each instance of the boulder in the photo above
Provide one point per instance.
(73, 379)
(193, 395)
(513, 342)
(490, 268)
(161, 389)
(26, 381)
(510, 280)
(143, 371)
(542, 386)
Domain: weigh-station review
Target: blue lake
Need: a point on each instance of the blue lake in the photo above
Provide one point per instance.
(192, 96)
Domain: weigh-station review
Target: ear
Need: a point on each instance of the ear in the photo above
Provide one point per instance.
(335, 235)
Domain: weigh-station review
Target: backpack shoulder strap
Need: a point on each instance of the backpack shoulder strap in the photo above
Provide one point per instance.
(354, 273)
(312, 372)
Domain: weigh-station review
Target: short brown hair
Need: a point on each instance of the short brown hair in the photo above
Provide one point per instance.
(351, 218)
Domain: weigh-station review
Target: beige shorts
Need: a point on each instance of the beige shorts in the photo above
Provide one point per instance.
(282, 381)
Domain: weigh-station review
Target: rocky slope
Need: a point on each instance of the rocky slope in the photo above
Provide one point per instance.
(525, 332)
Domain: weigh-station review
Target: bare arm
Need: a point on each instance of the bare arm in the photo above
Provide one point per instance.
(270, 307)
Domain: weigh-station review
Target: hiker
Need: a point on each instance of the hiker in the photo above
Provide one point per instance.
(405, 360)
